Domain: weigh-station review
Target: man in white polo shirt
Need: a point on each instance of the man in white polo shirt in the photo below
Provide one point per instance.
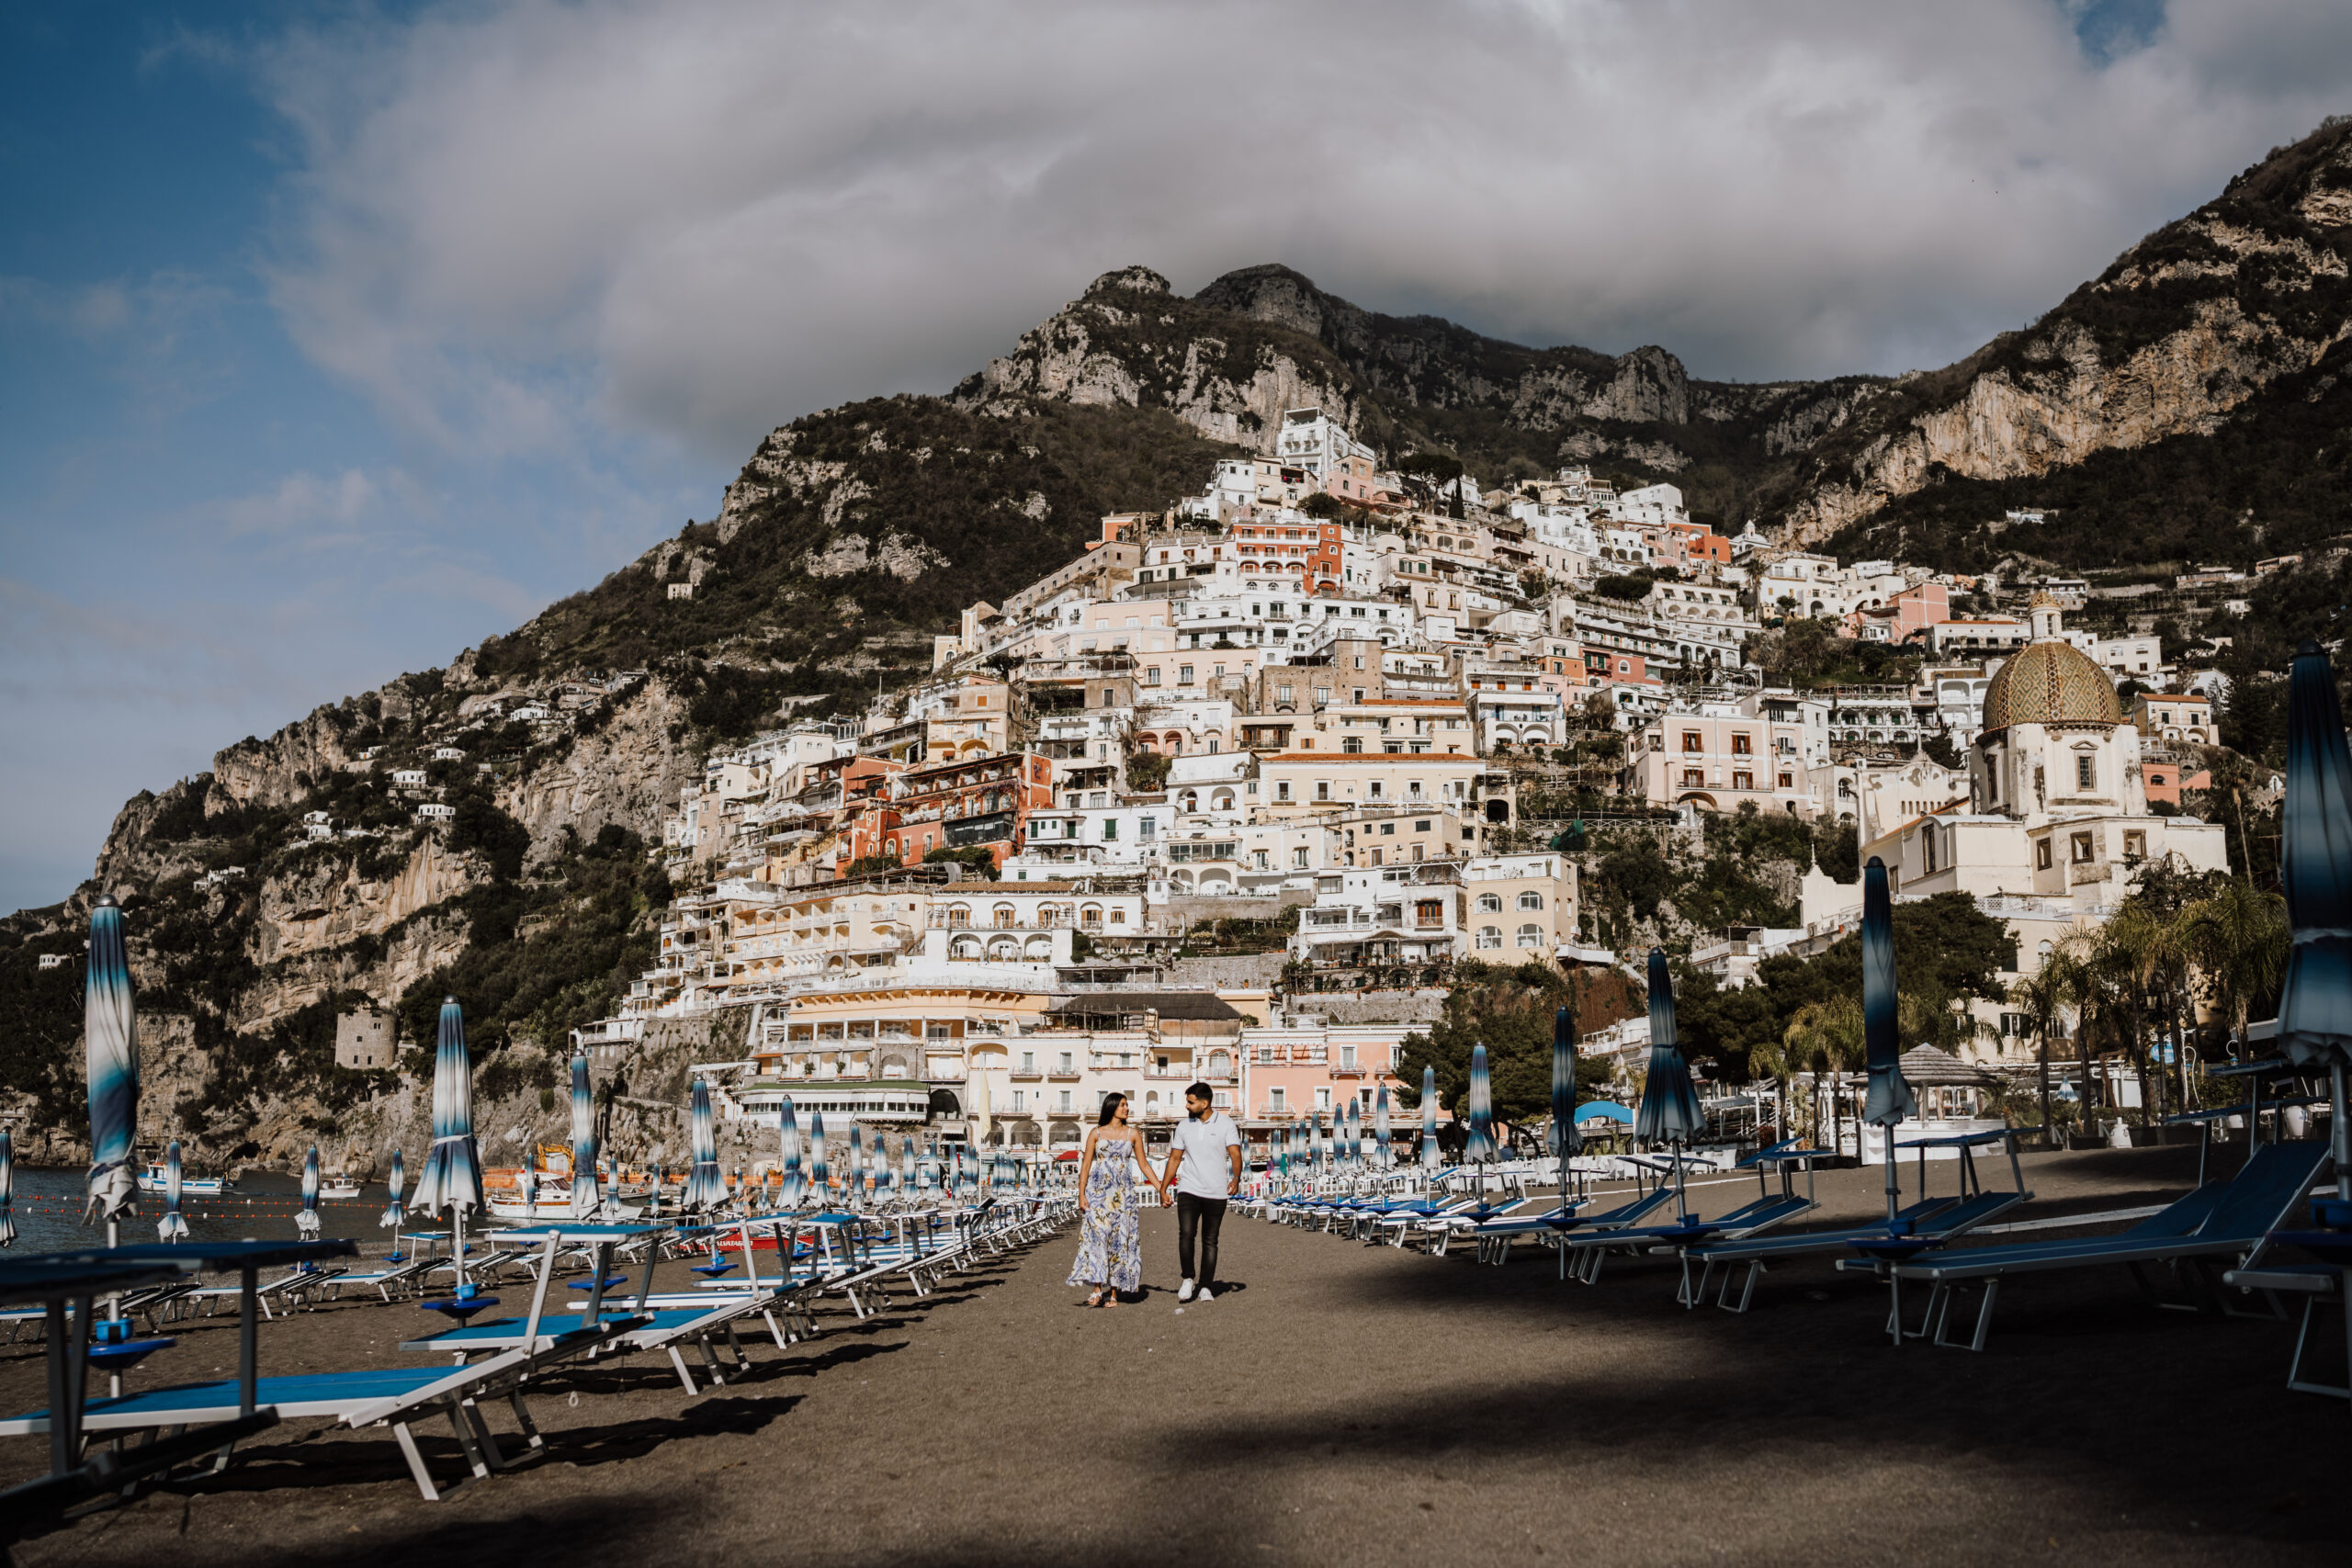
(1204, 1167)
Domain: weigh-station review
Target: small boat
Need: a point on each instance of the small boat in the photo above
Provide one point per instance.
(550, 1190)
(152, 1180)
(341, 1187)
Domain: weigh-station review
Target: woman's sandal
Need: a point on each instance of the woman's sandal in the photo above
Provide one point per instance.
(1095, 1300)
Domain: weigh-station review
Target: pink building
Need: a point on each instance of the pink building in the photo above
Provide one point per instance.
(1911, 611)
(1291, 1073)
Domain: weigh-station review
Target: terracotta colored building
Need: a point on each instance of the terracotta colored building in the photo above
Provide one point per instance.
(980, 800)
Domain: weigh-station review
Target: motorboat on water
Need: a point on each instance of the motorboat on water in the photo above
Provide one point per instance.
(153, 1179)
(341, 1187)
(552, 1189)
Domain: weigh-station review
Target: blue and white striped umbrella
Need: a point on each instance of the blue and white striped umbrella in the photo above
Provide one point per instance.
(584, 1195)
(1670, 1109)
(1384, 1152)
(1566, 1140)
(853, 1166)
(820, 1179)
(395, 1216)
(526, 1186)
(173, 1226)
(1355, 1131)
(110, 1028)
(1429, 1118)
(912, 1169)
(926, 1172)
(788, 1132)
(2315, 875)
(884, 1179)
(306, 1219)
(1480, 1149)
(705, 1187)
(1321, 1138)
(7, 1188)
(451, 1178)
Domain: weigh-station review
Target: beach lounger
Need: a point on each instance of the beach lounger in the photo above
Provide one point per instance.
(2317, 1285)
(66, 1296)
(1925, 1222)
(1591, 1244)
(2221, 1220)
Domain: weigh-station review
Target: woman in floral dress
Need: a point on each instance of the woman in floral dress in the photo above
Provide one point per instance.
(1111, 1176)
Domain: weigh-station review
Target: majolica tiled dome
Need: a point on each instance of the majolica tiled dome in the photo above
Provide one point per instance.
(2051, 683)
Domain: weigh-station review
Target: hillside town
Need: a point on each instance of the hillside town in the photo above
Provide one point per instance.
(1330, 713)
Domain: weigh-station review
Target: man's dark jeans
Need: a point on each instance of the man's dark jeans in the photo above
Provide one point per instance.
(1206, 1217)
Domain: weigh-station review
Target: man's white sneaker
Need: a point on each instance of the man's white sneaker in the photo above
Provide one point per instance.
(1206, 1295)
(1184, 1292)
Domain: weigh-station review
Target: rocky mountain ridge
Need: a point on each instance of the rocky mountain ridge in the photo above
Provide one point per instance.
(2179, 333)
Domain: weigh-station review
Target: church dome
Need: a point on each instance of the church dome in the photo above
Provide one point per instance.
(2051, 683)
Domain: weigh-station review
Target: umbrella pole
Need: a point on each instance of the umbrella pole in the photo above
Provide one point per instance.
(2339, 1133)
(1894, 1177)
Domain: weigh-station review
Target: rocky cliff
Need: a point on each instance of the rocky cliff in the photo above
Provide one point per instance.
(2183, 329)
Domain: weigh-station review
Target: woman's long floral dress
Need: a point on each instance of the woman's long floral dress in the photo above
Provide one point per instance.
(1110, 1234)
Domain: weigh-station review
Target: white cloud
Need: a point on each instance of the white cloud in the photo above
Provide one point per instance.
(693, 221)
(304, 504)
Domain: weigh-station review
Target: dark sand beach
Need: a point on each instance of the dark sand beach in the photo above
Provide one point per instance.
(1345, 1403)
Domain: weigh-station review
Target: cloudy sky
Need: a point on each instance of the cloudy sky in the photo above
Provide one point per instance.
(335, 337)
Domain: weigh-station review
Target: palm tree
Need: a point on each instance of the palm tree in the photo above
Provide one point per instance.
(1828, 1034)
(2044, 996)
(2237, 936)
(1779, 1059)
(2078, 951)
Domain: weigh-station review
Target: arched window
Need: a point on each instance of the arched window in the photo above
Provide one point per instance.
(1490, 936)
(1090, 917)
(1490, 903)
(965, 949)
(959, 915)
(1190, 800)
(1531, 901)
(1223, 800)
(1006, 917)
(1531, 936)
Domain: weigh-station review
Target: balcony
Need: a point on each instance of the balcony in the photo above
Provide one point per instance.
(1026, 1075)
(1276, 1111)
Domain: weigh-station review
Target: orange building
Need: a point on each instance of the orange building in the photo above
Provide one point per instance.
(977, 801)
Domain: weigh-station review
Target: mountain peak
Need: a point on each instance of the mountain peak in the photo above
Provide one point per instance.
(1129, 280)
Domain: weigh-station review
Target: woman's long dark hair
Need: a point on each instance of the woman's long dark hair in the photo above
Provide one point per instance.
(1111, 1103)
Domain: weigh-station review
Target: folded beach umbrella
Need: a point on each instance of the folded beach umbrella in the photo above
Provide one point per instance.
(584, 1196)
(1384, 1152)
(394, 1215)
(1429, 1118)
(705, 1188)
(1566, 1141)
(1320, 1141)
(451, 1177)
(912, 1169)
(111, 1045)
(854, 1165)
(1890, 1100)
(173, 1226)
(7, 1188)
(927, 1168)
(1355, 1131)
(788, 1131)
(1481, 1146)
(1670, 1110)
(2315, 874)
(526, 1186)
(820, 1179)
(306, 1219)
